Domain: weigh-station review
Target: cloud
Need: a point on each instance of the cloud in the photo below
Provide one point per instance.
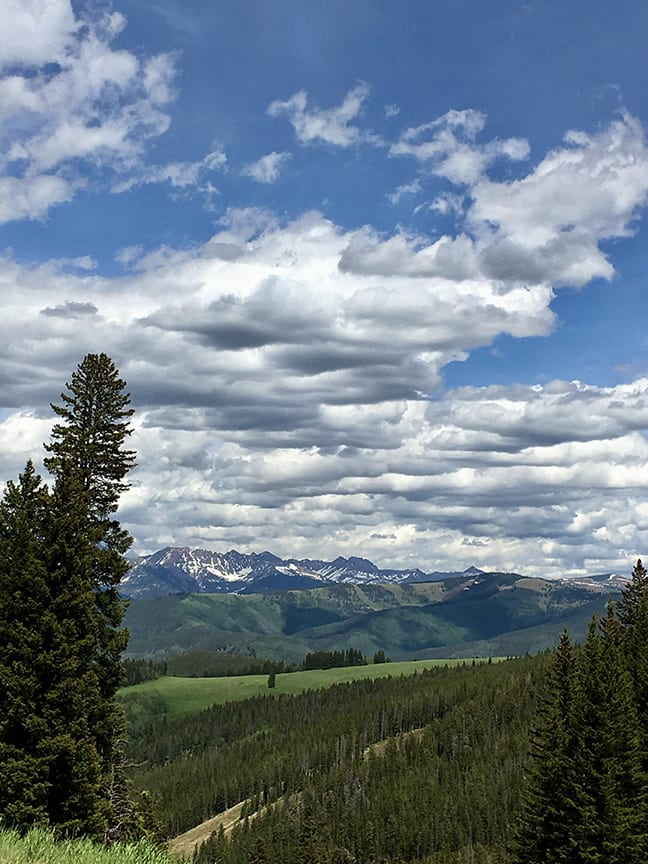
(287, 378)
(593, 186)
(331, 126)
(70, 309)
(35, 33)
(543, 229)
(70, 105)
(548, 225)
(189, 176)
(30, 197)
(405, 189)
(267, 168)
(448, 146)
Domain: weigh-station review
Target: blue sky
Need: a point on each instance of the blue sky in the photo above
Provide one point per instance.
(374, 272)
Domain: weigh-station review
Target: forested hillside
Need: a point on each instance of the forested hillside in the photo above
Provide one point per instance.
(484, 615)
(454, 787)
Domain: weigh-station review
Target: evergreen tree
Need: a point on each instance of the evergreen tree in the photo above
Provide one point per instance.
(587, 801)
(549, 829)
(61, 560)
(95, 426)
(614, 823)
(632, 596)
(90, 444)
(78, 801)
(633, 616)
(25, 601)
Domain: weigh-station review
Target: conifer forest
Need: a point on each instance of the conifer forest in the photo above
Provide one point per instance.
(525, 760)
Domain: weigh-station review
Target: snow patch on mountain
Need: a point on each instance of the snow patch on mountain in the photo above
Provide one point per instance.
(174, 570)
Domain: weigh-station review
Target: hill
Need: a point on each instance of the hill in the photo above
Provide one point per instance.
(478, 614)
(390, 769)
(176, 697)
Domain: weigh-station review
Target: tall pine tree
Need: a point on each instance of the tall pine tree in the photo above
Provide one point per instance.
(633, 616)
(632, 596)
(61, 560)
(606, 719)
(549, 831)
(78, 800)
(90, 445)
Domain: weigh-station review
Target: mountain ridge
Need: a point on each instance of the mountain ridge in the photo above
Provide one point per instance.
(478, 615)
(186, 570)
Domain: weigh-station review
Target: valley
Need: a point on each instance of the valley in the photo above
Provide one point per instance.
(423, 756)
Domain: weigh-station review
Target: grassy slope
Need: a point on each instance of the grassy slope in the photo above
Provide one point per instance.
(39, 847)
(180, 696)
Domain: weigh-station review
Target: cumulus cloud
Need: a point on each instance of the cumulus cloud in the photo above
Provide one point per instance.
(30, 197)
(593, 187)
(268, 168)
(327, 125)
(287, 378)
(34, 33)
(68, 99)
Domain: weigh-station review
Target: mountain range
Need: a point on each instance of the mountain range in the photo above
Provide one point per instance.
(184, 599)
(181, 570)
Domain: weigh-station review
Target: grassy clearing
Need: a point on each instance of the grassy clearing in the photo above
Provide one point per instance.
(182, 696)
(38, 846)
(187, 843)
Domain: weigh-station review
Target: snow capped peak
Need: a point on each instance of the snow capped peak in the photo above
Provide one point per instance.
(181, 569)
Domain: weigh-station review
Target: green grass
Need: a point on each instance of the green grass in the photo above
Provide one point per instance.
(182, 696)
(38, 846)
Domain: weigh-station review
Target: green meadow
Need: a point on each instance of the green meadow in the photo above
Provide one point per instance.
(177, 697)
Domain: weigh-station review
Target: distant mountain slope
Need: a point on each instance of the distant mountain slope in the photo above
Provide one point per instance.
(476, 614)
(180, 570)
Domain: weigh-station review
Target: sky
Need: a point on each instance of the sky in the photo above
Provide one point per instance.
(375, 272)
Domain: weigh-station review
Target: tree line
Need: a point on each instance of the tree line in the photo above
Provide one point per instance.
(220, 663)
(201, 663)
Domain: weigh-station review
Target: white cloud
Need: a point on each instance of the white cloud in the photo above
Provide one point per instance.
(34, 33)
(448, 146)
(592, 187)
(32, 197)
(402, 191)
(331, 126)
(447, 203)
(93, 110)
(178, 175)
(277, 373)
(267, 168)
